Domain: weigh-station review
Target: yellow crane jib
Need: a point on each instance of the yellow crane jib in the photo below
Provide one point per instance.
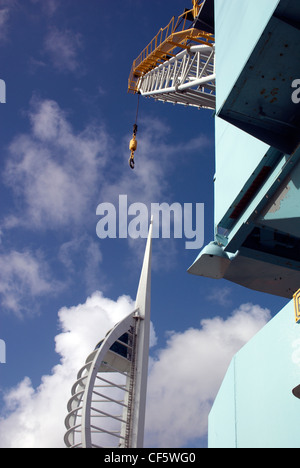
(177, 35)
(133, 146)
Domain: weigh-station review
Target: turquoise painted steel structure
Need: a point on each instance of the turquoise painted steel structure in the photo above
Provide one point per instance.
(257, 207)
(255, 407)
(257, 214)
(257, 181)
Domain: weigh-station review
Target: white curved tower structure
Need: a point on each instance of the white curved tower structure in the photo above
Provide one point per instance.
(108, 403)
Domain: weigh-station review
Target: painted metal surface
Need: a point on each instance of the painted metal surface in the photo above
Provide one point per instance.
(257, 181)
(259, 104)
(238, 27)
(256, 406)
(238, 156)
(260, 101)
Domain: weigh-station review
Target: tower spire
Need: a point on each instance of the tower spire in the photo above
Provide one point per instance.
(143, 299)
(114, 379)
(143, 308)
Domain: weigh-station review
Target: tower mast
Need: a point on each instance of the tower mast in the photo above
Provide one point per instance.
(108, 403)
(143, 309)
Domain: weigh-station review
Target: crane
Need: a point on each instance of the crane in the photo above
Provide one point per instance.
(177, 66)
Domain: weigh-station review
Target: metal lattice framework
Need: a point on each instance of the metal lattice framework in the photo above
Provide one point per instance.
(188, 79)
(107, 407)
(177, 35)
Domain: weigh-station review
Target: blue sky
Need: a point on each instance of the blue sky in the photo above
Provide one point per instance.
(65, 130)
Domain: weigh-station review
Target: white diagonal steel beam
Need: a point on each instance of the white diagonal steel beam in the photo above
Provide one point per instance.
(188, 79)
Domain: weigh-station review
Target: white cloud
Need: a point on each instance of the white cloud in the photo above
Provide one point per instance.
(6, 8)
(82, 258)
(4, 17)
(91, 271)
(147, 183)
(186, 375)
(57, 173)
(184, 378)
(24, 278)
(63, 48)
(49, 6)
(54, 169)
(155, 155)
(35, 418)
(220, 296)
(150, 180)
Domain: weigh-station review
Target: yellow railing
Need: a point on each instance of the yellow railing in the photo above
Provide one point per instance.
(297, 305)
(165, 42)
(196, 7)
(160, 37)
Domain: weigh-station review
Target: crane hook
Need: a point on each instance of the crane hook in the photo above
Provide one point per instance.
(133, 146)
(131, 161)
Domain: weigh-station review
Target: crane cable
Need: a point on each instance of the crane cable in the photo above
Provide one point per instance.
(133, 141)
